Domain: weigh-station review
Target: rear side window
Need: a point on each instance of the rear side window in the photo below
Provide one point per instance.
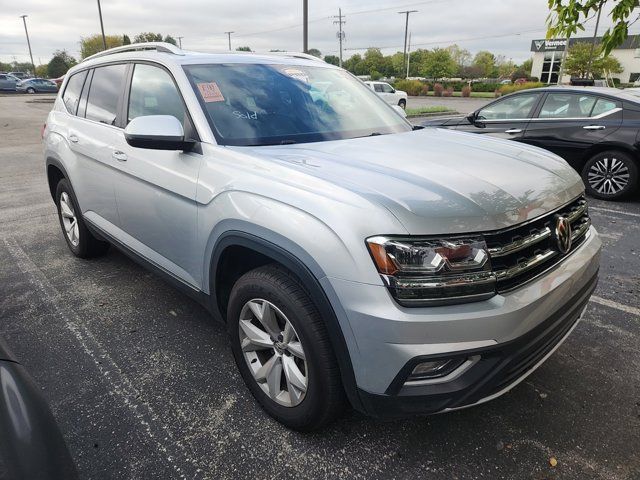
(153, 92)
(106, 86)
(603, 105)
(567, 105)
(72, 91)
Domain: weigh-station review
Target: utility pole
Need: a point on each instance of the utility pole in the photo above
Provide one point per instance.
(24, 20)
(406, 30)
(593, 41)
(305, 26)
(340, 22)
(229, 35)
(104, 39)
(408, 56)
(180, 42)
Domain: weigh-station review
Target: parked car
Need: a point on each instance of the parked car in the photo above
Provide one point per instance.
(352, 257)
(36, 85)
(58, 81)
(594, 129)
(388, 93)
(31, 445)
(20, 75)
(7, 82)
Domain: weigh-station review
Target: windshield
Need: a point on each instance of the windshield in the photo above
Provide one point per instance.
(250, 104)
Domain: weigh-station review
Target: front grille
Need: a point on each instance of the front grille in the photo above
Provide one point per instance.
(519, 254)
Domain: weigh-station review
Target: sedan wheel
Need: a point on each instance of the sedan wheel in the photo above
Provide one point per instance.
(31, 90)
(610, 175)
(273, 351)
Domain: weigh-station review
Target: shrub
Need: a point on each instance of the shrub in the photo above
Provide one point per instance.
(447, 92)
(424, 91)
(466, 91)
(437, 90)
(506, 89)
(412, 87)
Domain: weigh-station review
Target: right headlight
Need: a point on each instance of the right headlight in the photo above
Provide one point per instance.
(434, 271)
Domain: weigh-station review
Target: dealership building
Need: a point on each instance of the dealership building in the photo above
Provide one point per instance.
(547, 58)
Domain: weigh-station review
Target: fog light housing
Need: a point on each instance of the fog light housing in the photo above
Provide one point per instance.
(434, 369)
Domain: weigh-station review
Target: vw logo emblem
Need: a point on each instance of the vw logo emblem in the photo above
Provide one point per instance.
(563, 234)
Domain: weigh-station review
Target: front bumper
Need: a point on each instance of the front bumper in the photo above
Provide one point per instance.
(507, 336)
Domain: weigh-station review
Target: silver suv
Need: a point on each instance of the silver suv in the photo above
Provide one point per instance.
(355, 259)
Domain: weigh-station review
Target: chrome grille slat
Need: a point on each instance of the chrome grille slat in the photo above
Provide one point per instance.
(521, 253)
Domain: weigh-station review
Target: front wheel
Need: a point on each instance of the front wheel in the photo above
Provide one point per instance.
(282, 349)
(610, 175)
(403, 104)
(31, 90)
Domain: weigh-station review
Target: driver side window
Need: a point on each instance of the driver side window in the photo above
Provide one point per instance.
(386, 88)
(511, 108)
(154, 93)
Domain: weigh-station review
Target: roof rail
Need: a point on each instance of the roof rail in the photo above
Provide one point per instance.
(305, 56)
(135, 47)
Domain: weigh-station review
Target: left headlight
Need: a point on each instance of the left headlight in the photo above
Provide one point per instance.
(434, 271)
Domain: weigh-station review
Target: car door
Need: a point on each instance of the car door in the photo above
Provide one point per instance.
(4, 82)
(505, 118)
(568, 123)
(377, 87)
(389, 94)
(156, 189)
(92, 131)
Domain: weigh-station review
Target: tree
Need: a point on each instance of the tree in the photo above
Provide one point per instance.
(461, 56)
(578, 62)
(93, 44)
(315, 52)
(566, 17)
(243, 49)
(332, 59)
(145, 37)
(42, 72)
(438, 64)
(60, 63)
(171, 40)
(126, 40)
(527, 66)
(486, 63)
(373, 61)
(506, 68)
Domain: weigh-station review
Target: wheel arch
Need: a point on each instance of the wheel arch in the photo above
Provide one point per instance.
(633, 152)
(55, 173)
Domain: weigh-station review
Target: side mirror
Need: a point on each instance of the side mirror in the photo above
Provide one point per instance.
(399, 110)
(472, 117)
(157, 132)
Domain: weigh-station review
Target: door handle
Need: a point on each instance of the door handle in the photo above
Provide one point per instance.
(73, 138)
(594, 127)
(513, 130)
(120, 156)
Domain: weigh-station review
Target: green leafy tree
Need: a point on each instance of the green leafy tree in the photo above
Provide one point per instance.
(438, 64)
(332, 59)
(145, 37)
(397, 64)
(485, 62)
(527, 66)
(171, 40)
(461, 56)
(42, 72)
(417, 59)
(243, 49)
(126, 40)
(373, 61)
(566, 17)
(93, 44)
(60, 63)
(315, 52)
(584, 59)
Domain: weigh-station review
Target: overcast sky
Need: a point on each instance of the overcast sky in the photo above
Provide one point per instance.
(505, 27)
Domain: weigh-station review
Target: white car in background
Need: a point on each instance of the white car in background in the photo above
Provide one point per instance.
(388, 93)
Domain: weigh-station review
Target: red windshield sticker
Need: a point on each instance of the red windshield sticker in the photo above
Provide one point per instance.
(210, 92)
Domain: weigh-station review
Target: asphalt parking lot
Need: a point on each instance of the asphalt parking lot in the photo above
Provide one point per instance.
(143, 384)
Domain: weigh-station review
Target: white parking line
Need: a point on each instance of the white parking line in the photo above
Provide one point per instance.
(610, 210)
(618, 306)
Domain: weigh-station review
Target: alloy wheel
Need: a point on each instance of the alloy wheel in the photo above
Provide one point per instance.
(608, 176)
(69, 219)
(273, 351)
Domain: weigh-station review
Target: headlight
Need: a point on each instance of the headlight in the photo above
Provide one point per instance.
(434, 271)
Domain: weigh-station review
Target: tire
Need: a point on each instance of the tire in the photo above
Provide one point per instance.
(31, 90)
(610, 175)
(285, 298)
(403, 104)
(79, 239)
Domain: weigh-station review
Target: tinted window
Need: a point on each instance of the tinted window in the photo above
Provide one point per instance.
(603, 105)
(154, 93)
(518, 106)
(566, 105)
(106, 86)
(72, 91)
(377, 87)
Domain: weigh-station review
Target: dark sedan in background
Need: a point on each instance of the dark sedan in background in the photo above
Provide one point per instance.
(596, 130)
(36, 85)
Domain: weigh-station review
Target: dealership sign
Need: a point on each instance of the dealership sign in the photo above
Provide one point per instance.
(548, 45)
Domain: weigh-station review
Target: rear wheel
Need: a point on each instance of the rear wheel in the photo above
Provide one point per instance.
(610, 175)
(79, 239)
(31, 90)
(282, 349)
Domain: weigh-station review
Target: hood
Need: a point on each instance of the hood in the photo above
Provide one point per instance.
(439, 181)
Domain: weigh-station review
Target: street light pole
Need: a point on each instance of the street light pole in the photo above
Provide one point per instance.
(104, 39)
(24, 20)
(180, 42)
(406, 30)
(305, 26)
(229, 35)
